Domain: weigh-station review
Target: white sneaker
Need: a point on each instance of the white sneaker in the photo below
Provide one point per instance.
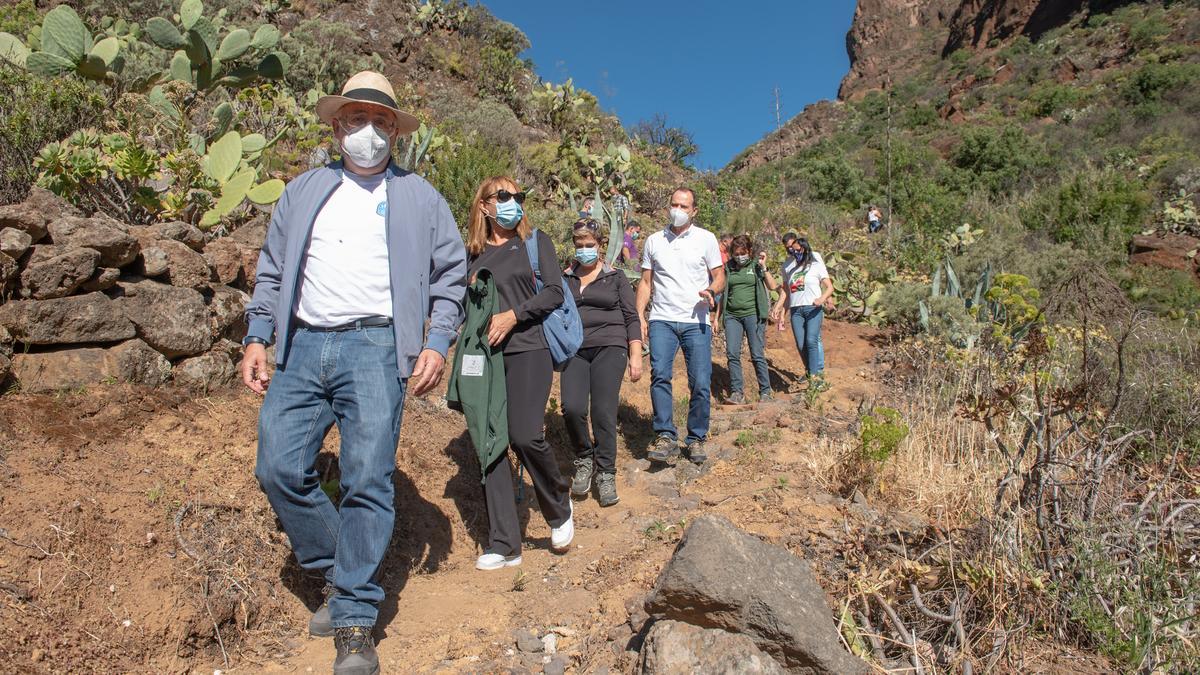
(561, 536)
(495, 561)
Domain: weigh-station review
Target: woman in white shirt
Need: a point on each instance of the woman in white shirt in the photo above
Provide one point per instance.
(806, 289)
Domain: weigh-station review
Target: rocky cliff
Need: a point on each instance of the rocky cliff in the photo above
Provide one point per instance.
(890, 40)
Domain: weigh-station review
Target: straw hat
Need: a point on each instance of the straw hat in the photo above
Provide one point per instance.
(367, 87)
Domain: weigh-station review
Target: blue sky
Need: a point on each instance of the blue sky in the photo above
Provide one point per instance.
(710, 66)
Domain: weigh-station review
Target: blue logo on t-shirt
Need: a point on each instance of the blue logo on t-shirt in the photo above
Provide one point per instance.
(381, 209)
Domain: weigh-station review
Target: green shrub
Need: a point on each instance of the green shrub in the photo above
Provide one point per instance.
(834, 179)
(900, 303)
(37, 111)
(998, 158)
(324, 55)
(500, 74)
(1148, 31)
(1154, 80)
(1165, 291)
(19, 17)
(490, 120)
(1097, 210)
(458, 175)
(883, 429)
(1049, 98)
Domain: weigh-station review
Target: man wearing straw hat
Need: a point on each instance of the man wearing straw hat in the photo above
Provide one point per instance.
(359, 285)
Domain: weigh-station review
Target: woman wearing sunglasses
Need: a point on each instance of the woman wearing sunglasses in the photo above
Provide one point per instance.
(806, 290)
(612, 338)
(496, 237)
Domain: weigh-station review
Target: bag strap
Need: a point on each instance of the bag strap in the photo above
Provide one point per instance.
(531, 250)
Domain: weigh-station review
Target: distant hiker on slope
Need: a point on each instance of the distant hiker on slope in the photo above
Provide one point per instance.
(682, 271)
(874, 219)
(337, 291)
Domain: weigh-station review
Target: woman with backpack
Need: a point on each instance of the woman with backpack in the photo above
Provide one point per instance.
(744, 308)
(497, 235)
(612, 338)
(806, 290)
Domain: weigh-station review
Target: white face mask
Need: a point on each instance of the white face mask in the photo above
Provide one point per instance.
(367, 147)
(679, 218)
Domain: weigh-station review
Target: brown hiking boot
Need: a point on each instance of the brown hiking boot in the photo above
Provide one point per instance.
(664, 450)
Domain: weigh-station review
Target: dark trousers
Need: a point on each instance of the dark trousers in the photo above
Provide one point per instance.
(594, 373)
(527, 380)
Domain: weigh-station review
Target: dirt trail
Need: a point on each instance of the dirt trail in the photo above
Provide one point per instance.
(133, 526)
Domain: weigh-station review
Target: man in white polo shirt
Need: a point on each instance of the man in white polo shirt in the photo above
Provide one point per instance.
(682, 272)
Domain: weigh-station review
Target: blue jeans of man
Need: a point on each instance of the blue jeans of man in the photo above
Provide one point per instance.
(666, 338)
(348, 378)
(755, 331)
(806, 327)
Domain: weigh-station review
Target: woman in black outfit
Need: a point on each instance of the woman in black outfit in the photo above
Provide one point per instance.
(612, 336)
(496, 238)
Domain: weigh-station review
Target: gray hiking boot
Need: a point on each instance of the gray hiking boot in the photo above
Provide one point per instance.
(696, 452)
(736, 398)
(765, 396)
(581, 485)
(664, 450)
(355, 651)
(606, 489)
(321, 625)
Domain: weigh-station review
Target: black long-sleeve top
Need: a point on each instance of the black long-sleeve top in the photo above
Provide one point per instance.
(608, 309)
(515, 283)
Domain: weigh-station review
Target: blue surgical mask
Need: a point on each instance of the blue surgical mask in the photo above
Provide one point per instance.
(508, 214)
(587, 256)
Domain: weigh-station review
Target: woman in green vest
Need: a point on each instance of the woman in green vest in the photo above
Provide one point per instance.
(744, 307)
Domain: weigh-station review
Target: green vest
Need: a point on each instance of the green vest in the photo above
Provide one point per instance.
(761, 301)
(477, 386)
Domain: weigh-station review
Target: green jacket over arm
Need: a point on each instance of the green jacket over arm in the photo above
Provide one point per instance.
(477, 387)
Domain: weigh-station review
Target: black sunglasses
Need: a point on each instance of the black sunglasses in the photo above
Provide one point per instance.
(587, 224)
(505, 195)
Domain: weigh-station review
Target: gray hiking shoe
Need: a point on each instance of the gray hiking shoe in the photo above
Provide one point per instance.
(696, 452)
(581, 485)
(665, 449)
(320, 625)
(606, 489)
(736, 398)
(355, 651)
(765, 396)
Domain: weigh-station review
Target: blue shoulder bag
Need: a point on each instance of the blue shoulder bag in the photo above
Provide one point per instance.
(563, 327)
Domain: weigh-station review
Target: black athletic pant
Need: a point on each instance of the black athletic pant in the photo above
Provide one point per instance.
(594, 372)
(527, 379)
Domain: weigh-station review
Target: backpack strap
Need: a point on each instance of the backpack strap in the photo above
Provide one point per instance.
(531, 250)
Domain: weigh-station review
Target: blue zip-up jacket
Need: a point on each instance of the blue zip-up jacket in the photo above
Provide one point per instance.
(425, 253)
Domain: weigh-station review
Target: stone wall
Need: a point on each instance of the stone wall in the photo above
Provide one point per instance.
(87, 300)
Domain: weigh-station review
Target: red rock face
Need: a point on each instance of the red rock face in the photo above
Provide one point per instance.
(888, 36)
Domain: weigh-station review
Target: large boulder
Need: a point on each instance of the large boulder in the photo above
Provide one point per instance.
(8, 270)
(109, 237)
(228, 308)
(72, 368)
(78, 319)
(35, 213)
(102, 279)
(207, 372)
(674, 648)
(721, 577)
(179, 231)
(170, 319)
(60, 275)
(14, 242)
(225, 259)
(139, 363)
(249, 239)
(176, 262)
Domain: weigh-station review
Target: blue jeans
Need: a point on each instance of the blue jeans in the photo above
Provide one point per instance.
(666, 337)
(755, 331)
(348, 378)
(806, 327)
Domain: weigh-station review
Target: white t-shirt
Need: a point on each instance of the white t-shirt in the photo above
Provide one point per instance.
(804, 285)
(680, 265)
(345, 275)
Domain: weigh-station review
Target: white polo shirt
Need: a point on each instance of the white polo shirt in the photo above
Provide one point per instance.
(345, 275)
(680, 265)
